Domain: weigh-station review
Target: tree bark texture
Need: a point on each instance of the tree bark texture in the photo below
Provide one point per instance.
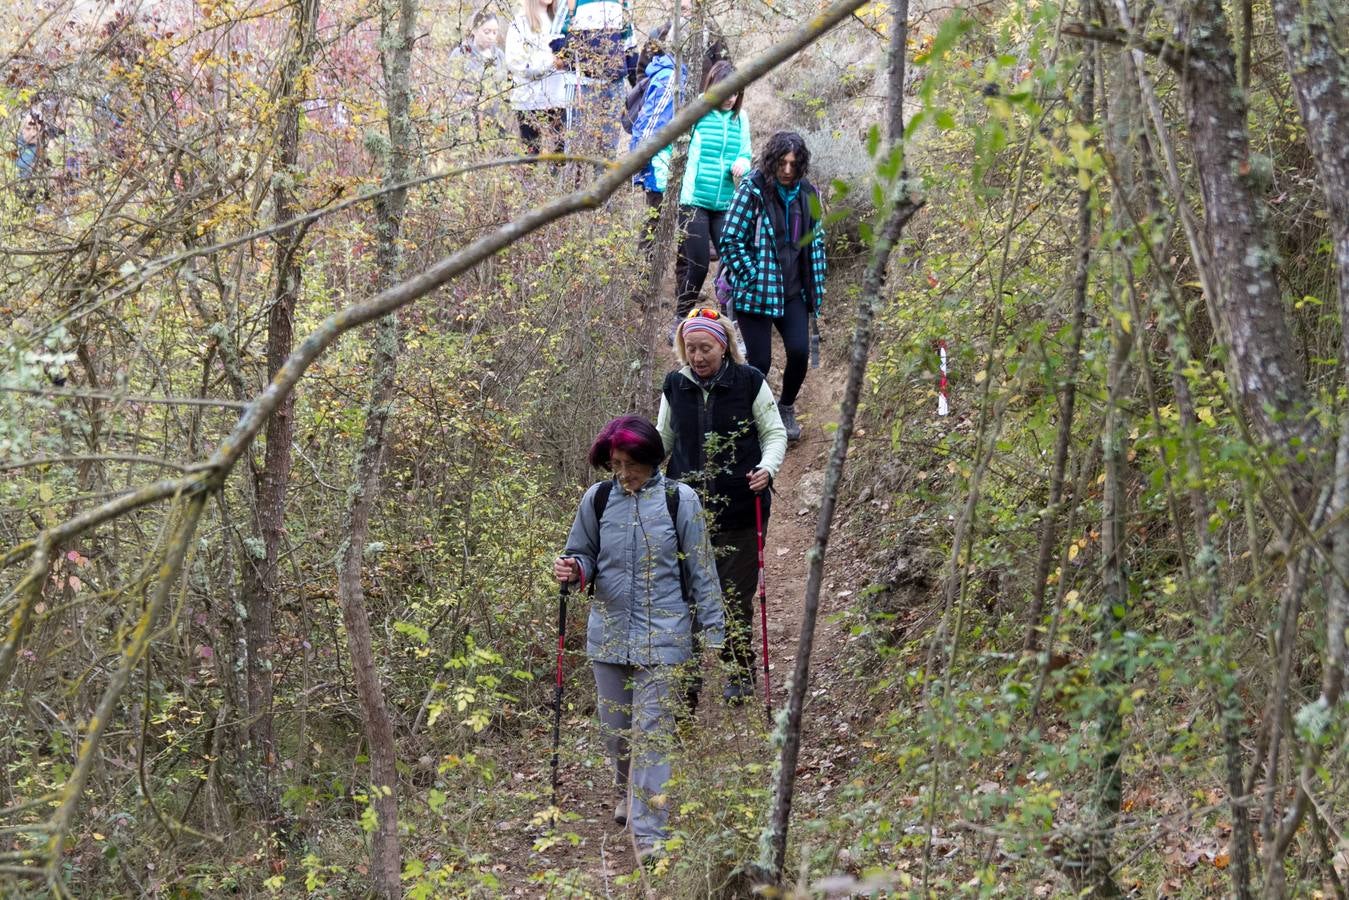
(1319, 70)
(261, 587)
(397, 34)
(1317, 64)
(1270, 381)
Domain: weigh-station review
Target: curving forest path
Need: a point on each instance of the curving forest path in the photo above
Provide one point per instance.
(591, 856)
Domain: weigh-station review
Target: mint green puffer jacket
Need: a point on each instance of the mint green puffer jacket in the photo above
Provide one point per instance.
(718, 140)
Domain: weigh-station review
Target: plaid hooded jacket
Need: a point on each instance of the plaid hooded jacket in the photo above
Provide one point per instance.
(748, 250)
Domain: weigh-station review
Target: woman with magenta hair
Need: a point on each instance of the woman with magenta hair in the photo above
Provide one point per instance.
(721, 426)
(638, 539)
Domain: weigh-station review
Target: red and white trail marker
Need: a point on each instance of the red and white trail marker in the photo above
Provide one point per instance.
(943, 405)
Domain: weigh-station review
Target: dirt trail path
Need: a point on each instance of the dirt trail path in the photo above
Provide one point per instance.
(594, 856)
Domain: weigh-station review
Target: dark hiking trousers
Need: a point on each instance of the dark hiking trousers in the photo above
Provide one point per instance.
(737, 555)
(794, 326)
(701, 228)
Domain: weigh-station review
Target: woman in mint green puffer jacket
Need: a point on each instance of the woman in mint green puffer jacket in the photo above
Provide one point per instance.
(719, 153)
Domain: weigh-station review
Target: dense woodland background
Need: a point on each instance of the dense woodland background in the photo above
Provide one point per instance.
(1087, 632)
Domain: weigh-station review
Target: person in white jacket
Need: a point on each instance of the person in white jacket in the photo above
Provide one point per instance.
(543, 85)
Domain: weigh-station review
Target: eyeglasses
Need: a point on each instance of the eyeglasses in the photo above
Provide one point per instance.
(704, 314)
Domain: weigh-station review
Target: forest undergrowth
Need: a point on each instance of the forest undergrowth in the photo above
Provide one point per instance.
(1084, 634)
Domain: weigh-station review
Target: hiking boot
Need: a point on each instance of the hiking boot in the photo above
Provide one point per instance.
(739, 690)
(621, 811)
(788, 413)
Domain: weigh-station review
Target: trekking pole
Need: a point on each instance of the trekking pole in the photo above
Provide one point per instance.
(763, 602)
(557, 690)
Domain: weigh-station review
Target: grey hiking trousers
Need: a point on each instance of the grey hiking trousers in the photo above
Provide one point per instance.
(636, 709)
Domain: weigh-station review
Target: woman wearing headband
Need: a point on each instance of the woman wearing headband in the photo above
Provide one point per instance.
(720, 424)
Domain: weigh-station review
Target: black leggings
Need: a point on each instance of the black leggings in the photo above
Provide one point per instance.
(794, 326)
(701, 229)
(541, 130)
(737, 554)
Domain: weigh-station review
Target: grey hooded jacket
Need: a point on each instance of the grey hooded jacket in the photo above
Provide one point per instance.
(639, 616)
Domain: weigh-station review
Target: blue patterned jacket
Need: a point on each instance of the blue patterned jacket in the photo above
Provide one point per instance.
(748, 250)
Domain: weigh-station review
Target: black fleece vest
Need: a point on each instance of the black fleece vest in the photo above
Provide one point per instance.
(717, 443)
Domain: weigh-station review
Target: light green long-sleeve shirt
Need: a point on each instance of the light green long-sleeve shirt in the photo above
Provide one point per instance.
(767, 422)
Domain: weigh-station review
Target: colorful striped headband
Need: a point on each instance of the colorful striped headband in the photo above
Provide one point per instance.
(711, 326)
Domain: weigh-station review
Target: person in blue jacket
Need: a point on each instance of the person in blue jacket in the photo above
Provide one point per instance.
(659, 98)
(640, 629)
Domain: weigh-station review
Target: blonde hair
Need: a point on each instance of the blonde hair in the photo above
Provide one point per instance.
(532, 11)
(725, 321)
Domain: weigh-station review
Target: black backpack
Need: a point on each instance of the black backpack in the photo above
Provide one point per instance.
(601, 500)
(632, 107)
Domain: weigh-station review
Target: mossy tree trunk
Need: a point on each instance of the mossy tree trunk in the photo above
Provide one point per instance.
(1313, 44)
(1270, 381)
(261, 573)
(398, 19)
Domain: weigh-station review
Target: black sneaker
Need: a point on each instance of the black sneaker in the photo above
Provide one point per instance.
(788, 413)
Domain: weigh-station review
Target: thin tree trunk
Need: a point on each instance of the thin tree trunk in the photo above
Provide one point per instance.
(397, 33)
(773, 843)
(663, 229)
(1108, 794)
(261, 579)
(1318, 68)
(1067, 387)
(1205, 563)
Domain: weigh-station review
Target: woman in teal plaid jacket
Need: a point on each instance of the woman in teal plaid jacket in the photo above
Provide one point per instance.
(772, 247)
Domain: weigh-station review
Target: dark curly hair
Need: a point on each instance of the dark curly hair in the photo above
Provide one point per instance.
(778, 146)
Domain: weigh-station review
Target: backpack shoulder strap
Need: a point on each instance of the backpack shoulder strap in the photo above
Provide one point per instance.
(672, 504)
(601, 499)
(599, 502)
